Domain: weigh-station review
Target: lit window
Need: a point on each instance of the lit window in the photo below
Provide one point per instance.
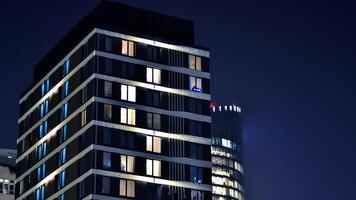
(153, 144)
(107, 160)
(127, 163)
(66, 67)
(84, 117)
(153, 167)
(127, 116)
(128, 93)
(127, 188)
(62, 156)
(21, 187)
(107, 89)
(195, 62)
(107, 112)
(66, 88)
(41, 172)
(153, 75)
(65, 110)
(61, 179)
(127, 48)
(61, 197)
(195, 84)
(63, 134)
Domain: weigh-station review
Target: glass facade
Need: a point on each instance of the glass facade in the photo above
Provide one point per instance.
(226, 153)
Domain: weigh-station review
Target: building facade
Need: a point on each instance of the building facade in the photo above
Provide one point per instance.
(7, 174)
(118, 109)
(226, 152)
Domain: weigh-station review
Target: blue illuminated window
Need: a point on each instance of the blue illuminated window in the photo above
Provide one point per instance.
(46, 106)
(38, 194)
(42, 193)
(42, 89)
(41, 110)
(66, 67)
(45, 127)
(44, 149)
(66, 88)
(61, 197)
(40, 131)
(62, 156)
(41, 172)
(47, 85)
(106, 160)
(39, 152)
(65, 111)
(61, 179)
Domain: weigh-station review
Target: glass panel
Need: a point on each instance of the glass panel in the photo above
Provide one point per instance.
(124, 47)
(123, 163)
(123, 115)
(149, 75)
(130, 188)
(131, 116)
(130, 163)
(157, 76)
(198, 63)
(157, 168)
(132, 94)
(149, 143)
(191, 62)
(148, 167)
(123, 187)
(124, 92)
(107, 89)
(107, 112)
(157, 145)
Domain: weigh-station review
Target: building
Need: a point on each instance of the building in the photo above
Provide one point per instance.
(226, 152)
(119, 108)
(7, 174)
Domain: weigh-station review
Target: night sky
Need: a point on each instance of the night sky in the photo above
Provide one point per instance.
(289, 64)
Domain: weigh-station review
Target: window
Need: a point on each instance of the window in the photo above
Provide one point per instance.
(127, 116)
(128, 93)
(196, 174)
(153, 167)
(106, 185)
(84, 117)
(106, 160)
(66, 88)
(66, 67)
(61, 197)
(127, 48)
(21, 187)
(40, 193)
(44, 87)
(127, 188)
(107, 112)
(153, 98)
(41, 172)
(61, 179)
(153, 75)
(63, 134)
(195, 62)
(195, 84)
(154, 121)
(127, 163)
(41, 150)
(153, 144)
(62, 156)
(65, 110)
(107, 89)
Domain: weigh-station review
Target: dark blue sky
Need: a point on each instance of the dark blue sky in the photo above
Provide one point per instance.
(290, 64)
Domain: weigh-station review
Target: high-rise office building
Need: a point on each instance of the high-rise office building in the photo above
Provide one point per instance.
(226, 152)
(7, 173)
(118, 109)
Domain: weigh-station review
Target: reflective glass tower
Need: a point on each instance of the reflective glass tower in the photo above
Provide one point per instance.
(118, 109)
(226, 152)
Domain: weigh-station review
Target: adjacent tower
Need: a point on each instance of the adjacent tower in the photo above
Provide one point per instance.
(118, 109)
(226, 152)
